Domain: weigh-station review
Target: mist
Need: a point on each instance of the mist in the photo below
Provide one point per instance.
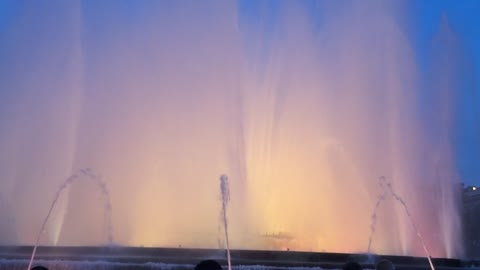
(304, 105)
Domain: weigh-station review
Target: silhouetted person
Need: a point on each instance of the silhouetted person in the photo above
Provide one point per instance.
(352, 266)
(208, 265)
(384, 265)
(39, 267)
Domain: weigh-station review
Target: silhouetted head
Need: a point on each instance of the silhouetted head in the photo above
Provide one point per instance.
(384, 265)
(352, 266)
(208, 265)
(39, 267)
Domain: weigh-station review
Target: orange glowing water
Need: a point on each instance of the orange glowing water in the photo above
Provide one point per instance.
(303, 120)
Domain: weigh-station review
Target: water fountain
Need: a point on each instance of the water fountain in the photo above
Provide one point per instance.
(303, 106)
(225, 193)
(412, 221)
(387, 187)
(373, 218)
(69, 181)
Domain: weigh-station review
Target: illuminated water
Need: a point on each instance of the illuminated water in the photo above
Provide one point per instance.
(225, 195)
(387, 187)
(302, 114)
(69, 181)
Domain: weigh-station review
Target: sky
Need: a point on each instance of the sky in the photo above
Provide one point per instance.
(291, 98)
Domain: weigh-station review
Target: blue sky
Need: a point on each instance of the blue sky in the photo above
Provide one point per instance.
(462, 15)
(464, 19)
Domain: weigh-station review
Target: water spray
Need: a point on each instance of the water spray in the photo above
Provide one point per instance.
(108, 206)
(387, 187)
(373, 222)
(225, 192)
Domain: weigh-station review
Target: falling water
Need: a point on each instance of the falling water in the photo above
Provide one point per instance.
(373, 218)
(387, 186)
(225, 193)
(108, 207)
(294, 101)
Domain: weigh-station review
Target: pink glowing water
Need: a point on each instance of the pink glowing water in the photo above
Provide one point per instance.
(303, 118)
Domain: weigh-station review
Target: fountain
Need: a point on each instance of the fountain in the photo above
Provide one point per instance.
(373, 218)
(225, 193)
(410, 217)
(108, 207)
(387, 187)
(302, 104)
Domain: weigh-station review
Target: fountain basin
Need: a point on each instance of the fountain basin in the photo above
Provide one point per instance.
(86, 257)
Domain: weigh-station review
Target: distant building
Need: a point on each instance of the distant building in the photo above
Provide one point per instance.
(471, 221)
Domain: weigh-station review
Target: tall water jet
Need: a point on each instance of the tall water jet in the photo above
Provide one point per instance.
(373, 218)
(294, 101)
(69, 181)
(387, 186)
(448, 80)
(225, 193)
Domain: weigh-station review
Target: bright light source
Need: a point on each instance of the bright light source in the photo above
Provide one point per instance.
(474, 188)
